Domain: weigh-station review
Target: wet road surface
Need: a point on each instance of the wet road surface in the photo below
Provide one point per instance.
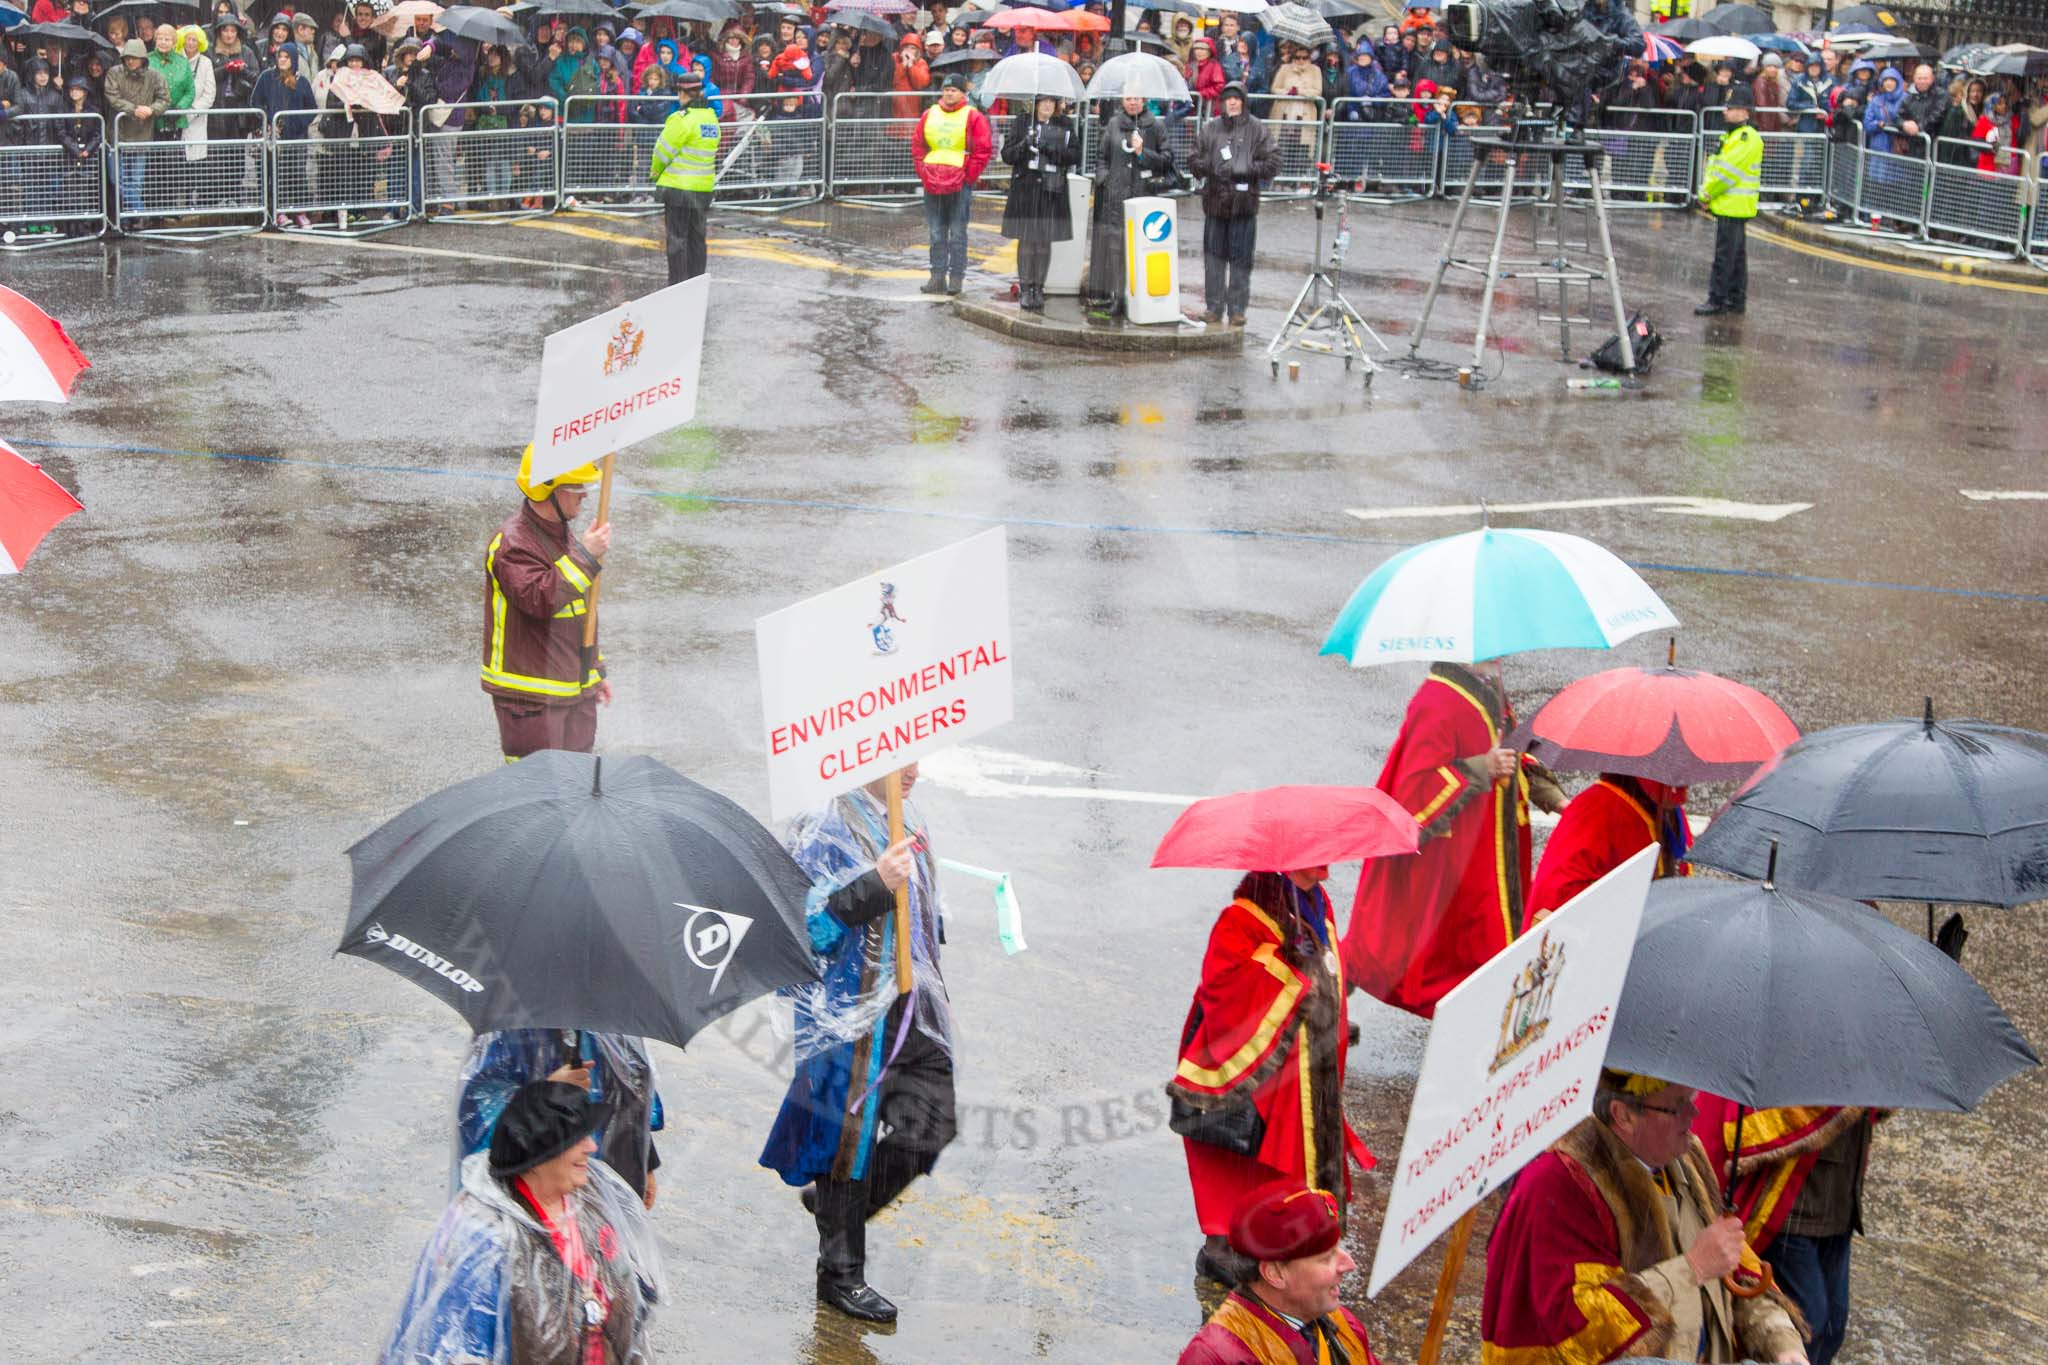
(258, 643)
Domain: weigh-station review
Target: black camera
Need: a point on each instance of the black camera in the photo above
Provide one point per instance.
(1546, 41)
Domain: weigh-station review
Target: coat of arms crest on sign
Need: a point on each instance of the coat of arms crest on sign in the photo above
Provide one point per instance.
(1527, 1012)
(622, 352)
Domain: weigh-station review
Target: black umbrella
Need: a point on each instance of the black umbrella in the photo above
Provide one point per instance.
(1739, 19)
(58, 32)
(595, 9)
(1685, 30)
(1873, 18)
(1906, 810)
(689, 11)
(564, 892)
(2013, 59)
(134, 9)
(1770, 997)
(867, 23)
(481, 26)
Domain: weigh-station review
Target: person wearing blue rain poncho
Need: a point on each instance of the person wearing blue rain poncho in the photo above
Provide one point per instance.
(613, 1069)
(871, 1104)
(543, 1257)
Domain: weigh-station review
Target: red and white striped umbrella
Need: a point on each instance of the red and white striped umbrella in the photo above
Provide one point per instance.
(31, 503)
(37, 361)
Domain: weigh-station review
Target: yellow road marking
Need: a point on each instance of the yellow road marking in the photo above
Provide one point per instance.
(1945, 275)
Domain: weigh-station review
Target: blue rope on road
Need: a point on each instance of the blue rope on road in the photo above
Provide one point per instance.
(985, 519)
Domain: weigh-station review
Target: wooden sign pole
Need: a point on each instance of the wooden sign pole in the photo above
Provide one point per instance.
(604, 514)
(893, 785)
(1446, 1288)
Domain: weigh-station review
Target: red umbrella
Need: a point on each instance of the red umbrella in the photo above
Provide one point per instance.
(31, 502)
(1669, 725)
(1048, 21)
(1281, 829)
(37, 361)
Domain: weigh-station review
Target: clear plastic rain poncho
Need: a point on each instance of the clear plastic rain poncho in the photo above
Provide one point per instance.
(621, 1075)
(835, 846)
(492, 1288)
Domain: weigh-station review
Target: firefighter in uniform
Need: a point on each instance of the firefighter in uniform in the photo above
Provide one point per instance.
(1734, 175)
(684, 172)
(537, 576)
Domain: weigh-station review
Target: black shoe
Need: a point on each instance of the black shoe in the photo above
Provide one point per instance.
(856, 1299)
(1709, 309)
(934, 285)
(1735, 308)
(1034, 299)
(953, 285)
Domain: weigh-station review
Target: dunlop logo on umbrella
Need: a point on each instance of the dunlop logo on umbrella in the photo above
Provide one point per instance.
(426, 957)
(711, 944)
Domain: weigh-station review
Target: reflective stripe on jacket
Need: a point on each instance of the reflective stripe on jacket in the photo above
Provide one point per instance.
(686, 157)
(1735, 173)
(536, 576)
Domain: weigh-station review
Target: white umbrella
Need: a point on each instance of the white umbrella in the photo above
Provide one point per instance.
(1029, 75)
(1292, 23)
(1140, 74)
(1725, 45)
(1236, 6)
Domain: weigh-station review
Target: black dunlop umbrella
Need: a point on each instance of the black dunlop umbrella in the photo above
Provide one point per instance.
(565, 892)
(1905, 810)
(1770, 997)
(481, 26)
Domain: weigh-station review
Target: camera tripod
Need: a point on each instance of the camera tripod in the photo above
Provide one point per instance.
(1552, 264)
(1321, 306)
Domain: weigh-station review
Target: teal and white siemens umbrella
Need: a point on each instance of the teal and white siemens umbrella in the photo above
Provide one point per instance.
(1493, 592)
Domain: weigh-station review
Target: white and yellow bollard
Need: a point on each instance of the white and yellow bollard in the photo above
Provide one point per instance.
(1151, 261)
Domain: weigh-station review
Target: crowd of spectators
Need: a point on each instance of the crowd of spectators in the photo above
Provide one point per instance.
(362, 74)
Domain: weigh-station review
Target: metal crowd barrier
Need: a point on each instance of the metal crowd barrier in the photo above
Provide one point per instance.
(605, 159)
(1845, 175)
(771, 155)
(1532, 169)
(51, 195)
(471, 168)
(1371, 142)
(1301, 140)
(2037, 235)
(1894, 191)
(1987, 207)
(1647, 167)
(869, 150)
(193, 191)
(352, 186)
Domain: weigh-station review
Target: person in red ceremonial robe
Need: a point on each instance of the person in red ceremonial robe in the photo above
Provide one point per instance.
(1799, 1192)
(1287, 1310)
(1613, 1244)
(1420, 925)
(1604, 826)
(1259, 1090)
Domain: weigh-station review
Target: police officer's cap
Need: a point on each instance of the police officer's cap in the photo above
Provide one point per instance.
(1741, 97)
(691, 79)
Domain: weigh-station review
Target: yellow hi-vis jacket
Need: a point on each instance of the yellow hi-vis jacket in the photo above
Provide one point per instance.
(1735, 173)
(686, 156)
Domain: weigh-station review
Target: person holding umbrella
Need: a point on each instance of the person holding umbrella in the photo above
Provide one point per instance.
(1039, 150)
(536, 574)
(544, 1256)
(1257, 1093)
(871, 1104)
(614, 1070)
(1612, 1242)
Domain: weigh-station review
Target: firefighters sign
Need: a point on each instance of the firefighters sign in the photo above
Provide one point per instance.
(861, 680)
(618, 378)
(1513, 1058)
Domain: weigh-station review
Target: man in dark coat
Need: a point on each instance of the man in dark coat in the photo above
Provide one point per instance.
(1233, 154)
(1133, 149)
(1921, 112)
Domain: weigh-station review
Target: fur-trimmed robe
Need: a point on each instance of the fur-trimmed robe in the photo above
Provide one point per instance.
(1267, 1027)
(1587, 1265)
(1780, 1148)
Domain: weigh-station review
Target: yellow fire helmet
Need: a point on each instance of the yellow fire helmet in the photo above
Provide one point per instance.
(582, 476)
